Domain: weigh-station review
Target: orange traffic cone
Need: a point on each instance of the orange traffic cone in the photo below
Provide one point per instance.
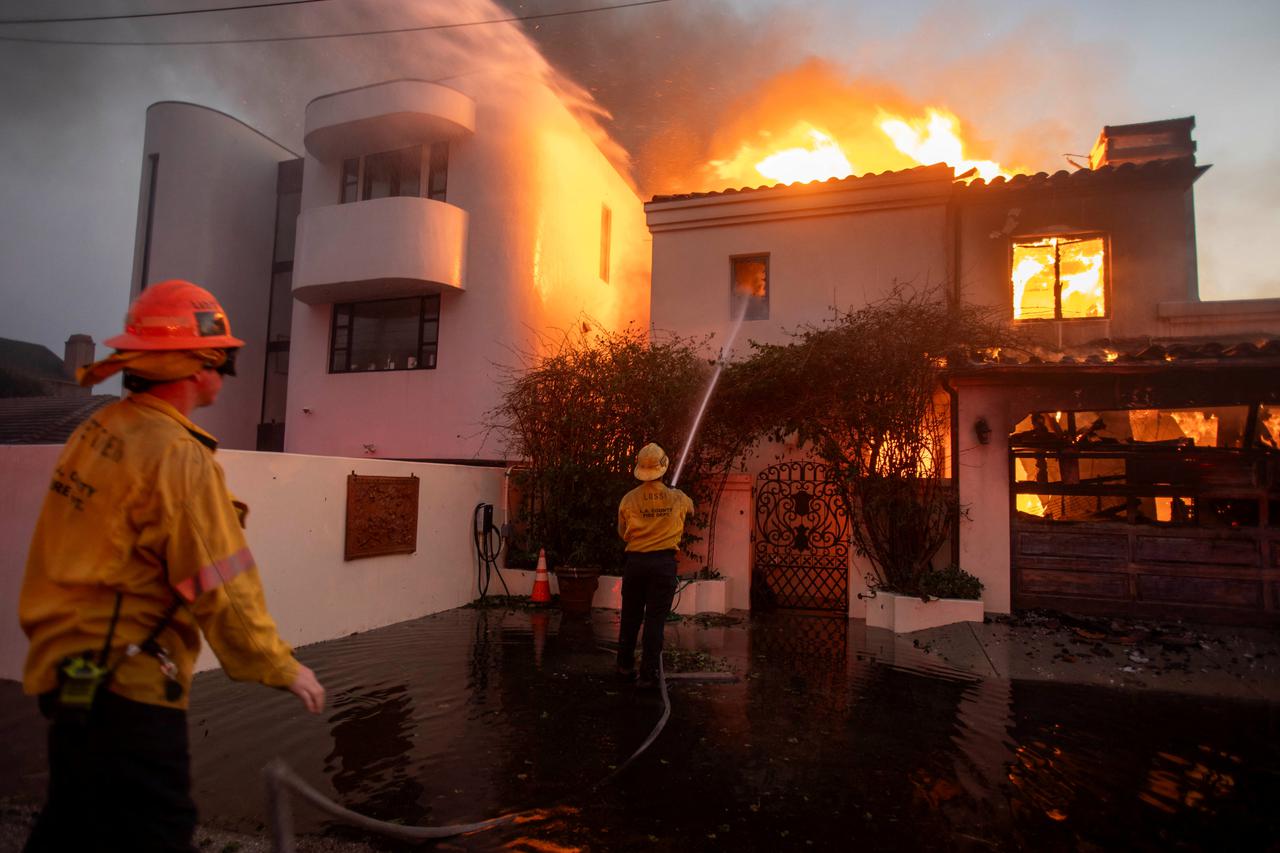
(541, 582)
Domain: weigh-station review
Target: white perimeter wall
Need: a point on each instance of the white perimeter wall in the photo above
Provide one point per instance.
(295, 528)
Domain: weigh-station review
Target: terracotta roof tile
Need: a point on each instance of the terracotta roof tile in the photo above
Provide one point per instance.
(846, 181)
(1181, 167)
(1103, 354)
(1184, 167)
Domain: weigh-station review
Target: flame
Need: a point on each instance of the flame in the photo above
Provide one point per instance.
(821, 160)
(806, 153)
(1271, 421)
(934, 138)
(1031, 505)
(1059, 277)
(1202, 429)
(812, 123)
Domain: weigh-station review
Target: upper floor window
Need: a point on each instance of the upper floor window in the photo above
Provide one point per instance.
(387, 334)
(396, 173)
(749, 287)
(1059, 278)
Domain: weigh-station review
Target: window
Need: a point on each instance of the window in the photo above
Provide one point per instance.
(1059, 278)
(438, 171)
(1164, 467)
(392, 173)
(389, 334)
(749, 287)
(606, 237)
(395, 173)
(350, 179)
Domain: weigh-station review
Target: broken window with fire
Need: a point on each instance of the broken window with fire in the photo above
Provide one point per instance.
(1170, 466)
(1059, 278)
(749, 287)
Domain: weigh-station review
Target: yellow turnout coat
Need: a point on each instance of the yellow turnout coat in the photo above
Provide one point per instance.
(138, 506)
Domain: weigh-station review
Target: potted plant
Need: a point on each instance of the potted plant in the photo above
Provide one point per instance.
(944, 596)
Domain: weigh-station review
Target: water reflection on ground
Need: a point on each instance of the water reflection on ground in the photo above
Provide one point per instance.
(834, 736)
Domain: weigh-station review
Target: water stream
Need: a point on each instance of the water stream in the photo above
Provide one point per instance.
(725, 351)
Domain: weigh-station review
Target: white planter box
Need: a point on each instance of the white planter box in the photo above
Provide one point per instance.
(704, 597)
(903, 614)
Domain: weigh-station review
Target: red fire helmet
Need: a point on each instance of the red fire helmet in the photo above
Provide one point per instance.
(175, 315)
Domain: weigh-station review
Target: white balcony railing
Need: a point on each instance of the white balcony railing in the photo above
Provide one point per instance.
(379, 249)
(385, 117)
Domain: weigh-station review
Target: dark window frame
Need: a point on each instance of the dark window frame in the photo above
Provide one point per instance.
(433, 174)
(1023, 239)
(734, 295)
(429, 310)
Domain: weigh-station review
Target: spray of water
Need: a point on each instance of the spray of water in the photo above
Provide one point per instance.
(711, 387)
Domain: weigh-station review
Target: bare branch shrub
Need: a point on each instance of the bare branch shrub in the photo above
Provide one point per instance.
(578, 415)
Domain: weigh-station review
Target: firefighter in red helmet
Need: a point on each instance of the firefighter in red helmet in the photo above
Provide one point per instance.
(138, 551)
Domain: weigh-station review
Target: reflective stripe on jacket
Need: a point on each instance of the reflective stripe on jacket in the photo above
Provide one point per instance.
(139, 506)
(651, 517)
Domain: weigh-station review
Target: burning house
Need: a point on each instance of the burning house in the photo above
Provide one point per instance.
(427, 236)
(1126, 460)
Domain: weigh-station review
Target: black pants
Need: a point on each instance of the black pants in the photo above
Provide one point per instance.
(648, 585)
(119, 779)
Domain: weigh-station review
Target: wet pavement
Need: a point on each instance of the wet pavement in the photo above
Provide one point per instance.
(833, 736)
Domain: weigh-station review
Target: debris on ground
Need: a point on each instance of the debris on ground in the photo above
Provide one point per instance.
(689, 660)
(509, 602)
(713, 620)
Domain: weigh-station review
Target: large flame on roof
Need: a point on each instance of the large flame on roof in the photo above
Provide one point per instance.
(810, 125)
(935, 138)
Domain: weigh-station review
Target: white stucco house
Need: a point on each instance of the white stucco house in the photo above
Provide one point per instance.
(425, 239)
(1126, 463)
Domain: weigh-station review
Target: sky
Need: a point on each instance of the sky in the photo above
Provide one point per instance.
(676, 84)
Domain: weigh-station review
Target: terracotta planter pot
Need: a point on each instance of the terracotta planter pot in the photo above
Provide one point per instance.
(577, 588)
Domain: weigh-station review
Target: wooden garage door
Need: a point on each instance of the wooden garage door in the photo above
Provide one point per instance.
(1222, 576)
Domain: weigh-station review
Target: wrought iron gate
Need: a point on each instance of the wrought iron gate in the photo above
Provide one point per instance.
(800, 540)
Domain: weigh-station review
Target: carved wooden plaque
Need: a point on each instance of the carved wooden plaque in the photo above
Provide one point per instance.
(382, 516)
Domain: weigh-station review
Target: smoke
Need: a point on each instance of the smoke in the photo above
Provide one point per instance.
(691, 83)
(667, 75)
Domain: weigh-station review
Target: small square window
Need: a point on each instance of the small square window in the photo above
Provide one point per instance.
(749, 287)
(1059, 278)
(388, 334)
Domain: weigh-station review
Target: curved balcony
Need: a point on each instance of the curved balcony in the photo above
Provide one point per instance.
(379, 249)
(385, 117)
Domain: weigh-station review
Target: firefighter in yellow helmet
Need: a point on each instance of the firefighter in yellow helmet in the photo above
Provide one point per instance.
(651, 522)
(138, 551)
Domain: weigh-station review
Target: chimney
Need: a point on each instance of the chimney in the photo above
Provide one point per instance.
(1141, 143)
(77, 352)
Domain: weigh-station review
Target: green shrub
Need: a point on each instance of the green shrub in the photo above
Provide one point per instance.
(951, 582)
